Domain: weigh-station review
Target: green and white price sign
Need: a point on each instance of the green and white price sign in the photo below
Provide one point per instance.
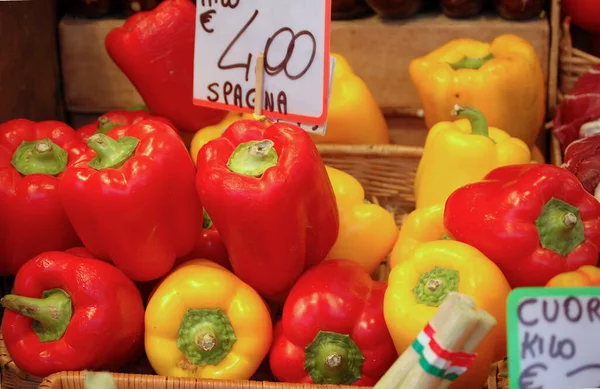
(554, 338)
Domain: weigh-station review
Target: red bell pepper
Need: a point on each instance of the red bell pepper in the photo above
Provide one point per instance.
(208, 245)
(80, 252)
(533, 221)
(269, 196)
(32, 159)
(132, 200)
(145, 288)
(114, 119)
(332, 330)
(72, 313)
(155, 50)
(584, 14)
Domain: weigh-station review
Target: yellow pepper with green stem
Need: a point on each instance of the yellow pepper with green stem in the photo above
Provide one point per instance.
(503, 79)
(204, 322)
(367, 231)
(418, 285)
(463, 152)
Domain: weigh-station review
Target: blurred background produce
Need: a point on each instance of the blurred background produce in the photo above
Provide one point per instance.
(585, 14)
(461, 8)
(520, 9)
(517, 10)
(396, 8)
(100, 8)
(349, 9)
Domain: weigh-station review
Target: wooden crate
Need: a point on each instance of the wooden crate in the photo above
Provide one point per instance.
(379, 51)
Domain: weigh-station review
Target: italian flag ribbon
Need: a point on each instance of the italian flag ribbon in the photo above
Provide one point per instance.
(436, 360)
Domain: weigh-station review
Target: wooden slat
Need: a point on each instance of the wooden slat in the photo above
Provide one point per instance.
(29, 70)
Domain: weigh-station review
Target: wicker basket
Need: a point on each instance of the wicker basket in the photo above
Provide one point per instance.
(387, 173)
(12, 376)
(573, 63)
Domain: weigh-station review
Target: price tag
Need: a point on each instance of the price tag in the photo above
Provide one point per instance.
(315, 128)
(554, 338)
(294, 37)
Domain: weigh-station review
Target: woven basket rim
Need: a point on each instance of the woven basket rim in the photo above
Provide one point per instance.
(383, 150)
(69, 379)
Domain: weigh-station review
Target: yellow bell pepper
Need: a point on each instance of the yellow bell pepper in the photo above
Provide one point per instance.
(367, 231)
(420, 226)
(354, 117)
(412, 299)
(208, 133)
(582, 277)
(204, 322)
(462, 152)
(503, 79)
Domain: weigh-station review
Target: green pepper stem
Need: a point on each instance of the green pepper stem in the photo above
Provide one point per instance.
(111, 153)
(433, 286)
(560, 227)
(105, 125)
(51, 314)
(479, 124)
(40, 157)
(205, 337)
(253, 158)
(206, 220)
(471, 62)
(139, 107)
(333, 358)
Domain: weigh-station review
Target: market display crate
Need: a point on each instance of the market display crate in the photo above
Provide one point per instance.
(386, 171)
(378, 50)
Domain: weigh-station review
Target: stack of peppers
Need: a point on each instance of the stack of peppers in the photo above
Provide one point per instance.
(140, 235)
(487, 221)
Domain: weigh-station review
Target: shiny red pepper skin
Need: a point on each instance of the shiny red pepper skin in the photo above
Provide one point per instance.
(142, 215)
(114, 119)
(498, 217)
(288, 216)
(107, 327)
(33, 219)
(155, 50)
(209, 246)
(336, 296)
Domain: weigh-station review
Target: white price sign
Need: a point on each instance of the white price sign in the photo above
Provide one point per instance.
(294, 37)
(318, 129)
(553, 338)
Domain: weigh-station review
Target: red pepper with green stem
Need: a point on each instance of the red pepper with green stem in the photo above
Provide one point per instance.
(533, 221)
(114, 119)
(72, 313)
(131, 199)
(33, 156)
(155, 50)
(333, 330)
(269, 196)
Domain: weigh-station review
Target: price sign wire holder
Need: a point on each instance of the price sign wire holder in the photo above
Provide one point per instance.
(259, 88)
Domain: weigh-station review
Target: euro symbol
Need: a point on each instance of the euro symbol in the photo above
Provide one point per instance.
(205, 19)
(527, 379)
